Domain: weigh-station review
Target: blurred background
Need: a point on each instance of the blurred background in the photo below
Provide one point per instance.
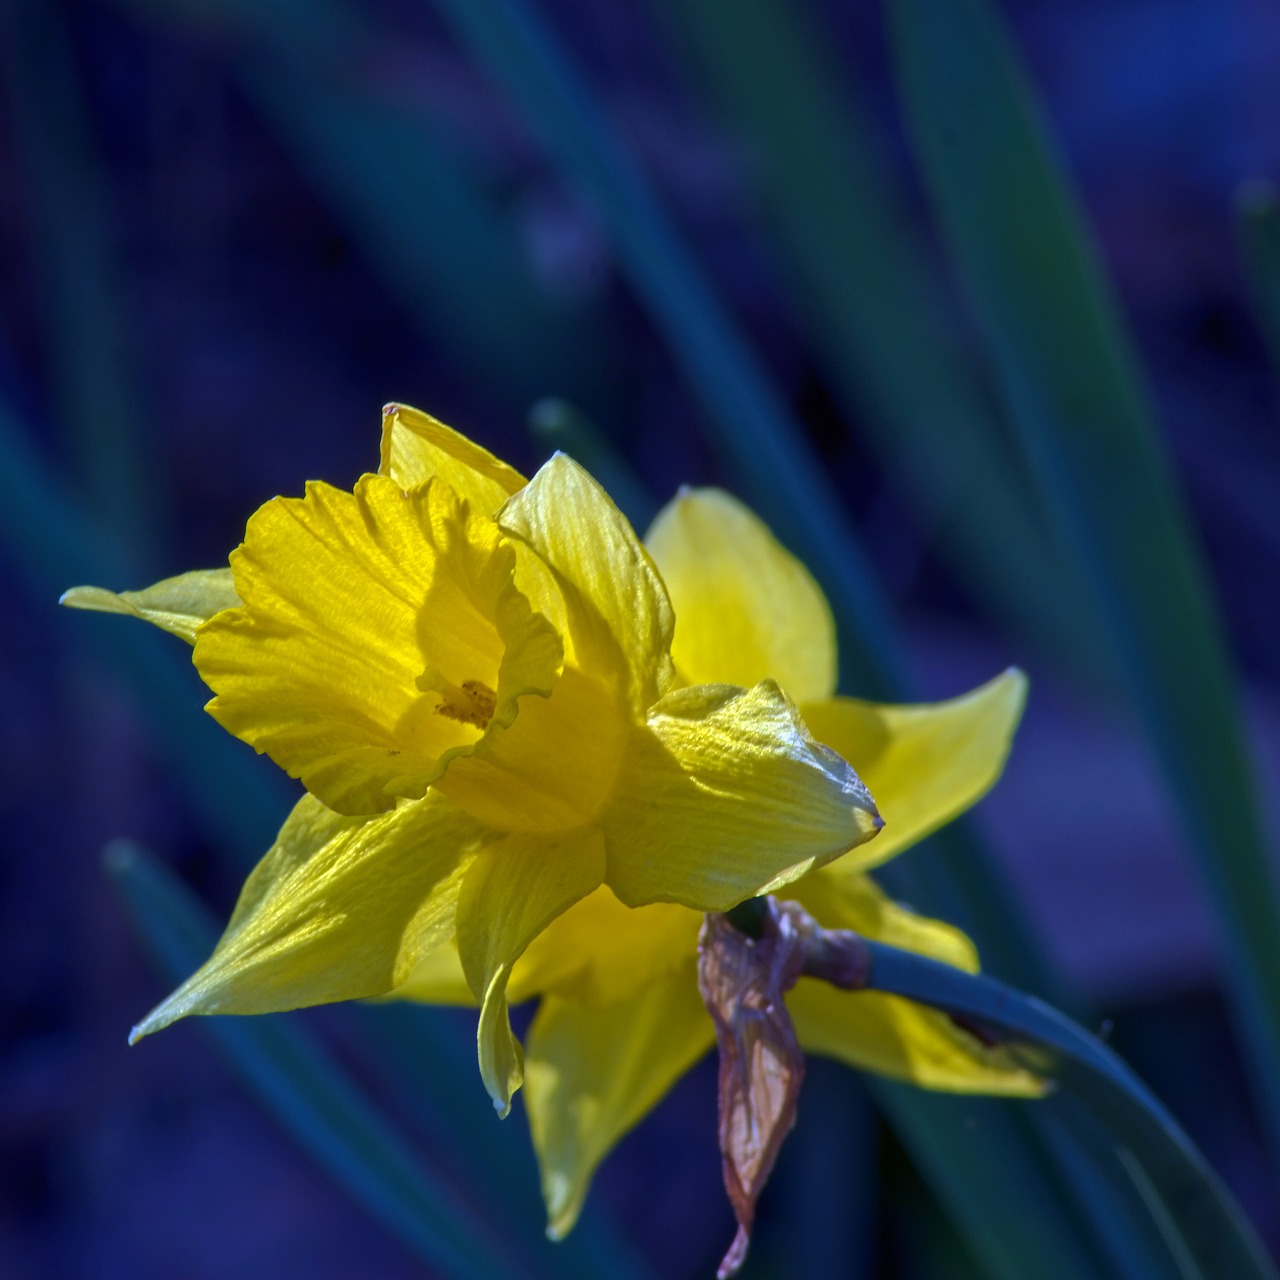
(1010, 414)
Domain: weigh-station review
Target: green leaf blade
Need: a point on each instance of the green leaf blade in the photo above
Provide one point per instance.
(1209, 1224)
(308, 1094)
(1065, 366)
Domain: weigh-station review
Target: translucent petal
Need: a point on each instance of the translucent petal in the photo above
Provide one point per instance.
(746, 608)
(594, 1072)
(600, 951)
(415, 447)
(381, 636)
(340, 908)
(177, 605)
(904, 1041)
(619, 615)
(926, 763)
(727, 796)
(513, 891)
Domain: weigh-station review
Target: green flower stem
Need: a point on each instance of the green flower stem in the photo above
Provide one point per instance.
(1201, 1223)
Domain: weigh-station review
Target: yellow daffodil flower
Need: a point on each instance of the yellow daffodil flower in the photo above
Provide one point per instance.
(620, 1018)
(472, 676)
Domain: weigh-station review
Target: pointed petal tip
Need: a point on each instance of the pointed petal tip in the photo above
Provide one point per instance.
(90, 598)
(1015, 676)
(563, 1208)
(165, 1014)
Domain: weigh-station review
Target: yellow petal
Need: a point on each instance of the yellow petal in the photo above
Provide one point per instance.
(924, 764)
(553, 768)
(177, 605)
(415, 447)
(619, 615)
(746, 608)
(600, 951)
(902, 1040)
(727, 796)
(840, 901)
(513, 891)
(381, 636)
(885, 1034)
(340, 908)
(437, 978)
(592, 1073)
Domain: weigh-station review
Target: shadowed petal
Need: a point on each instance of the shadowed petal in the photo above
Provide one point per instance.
(600, 951)
(838, 900)
(593, 1072)
(554, 767)
(513, 891)
(904, 1041)
(437, 978)
(886, 1034)
(746, 608)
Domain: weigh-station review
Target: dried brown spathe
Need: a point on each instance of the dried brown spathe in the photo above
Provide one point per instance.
(743, 981)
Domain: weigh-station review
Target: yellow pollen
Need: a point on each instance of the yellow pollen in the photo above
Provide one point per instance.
(471, 703)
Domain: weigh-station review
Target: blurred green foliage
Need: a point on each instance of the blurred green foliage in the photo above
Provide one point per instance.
(1034, 459)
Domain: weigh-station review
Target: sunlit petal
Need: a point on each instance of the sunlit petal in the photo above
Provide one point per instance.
(746, 608)
(513, 891)
(415, 448)
(381, 636)
(340, 908)
(926, 763)
(727, 796)
(593, 1072)
(177, 605)
(619, 614)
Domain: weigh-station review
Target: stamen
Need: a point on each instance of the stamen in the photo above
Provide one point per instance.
(471, 703)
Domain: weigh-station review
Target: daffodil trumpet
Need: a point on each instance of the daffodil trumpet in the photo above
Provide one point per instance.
(536, 752)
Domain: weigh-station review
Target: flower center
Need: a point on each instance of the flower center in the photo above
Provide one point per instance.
(472, 702)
